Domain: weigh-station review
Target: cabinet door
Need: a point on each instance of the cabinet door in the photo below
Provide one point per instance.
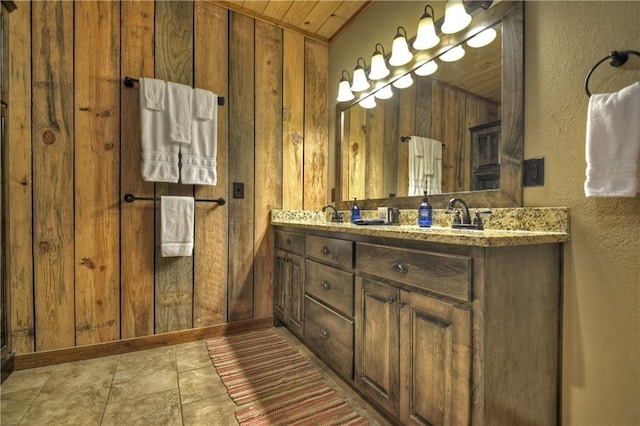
(281, 290)
(435, 361)
(296, 294)
(377, 347)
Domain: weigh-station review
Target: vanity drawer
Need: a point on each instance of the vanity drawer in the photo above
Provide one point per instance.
(333, 286)
(446, 274)
(338, 252)
(290, 241)
(330, 336)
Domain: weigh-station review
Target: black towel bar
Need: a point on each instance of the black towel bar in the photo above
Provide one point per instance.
(618, 58)
(130, 198)
(129, 81)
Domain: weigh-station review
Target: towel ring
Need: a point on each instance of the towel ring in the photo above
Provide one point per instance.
(618, 58)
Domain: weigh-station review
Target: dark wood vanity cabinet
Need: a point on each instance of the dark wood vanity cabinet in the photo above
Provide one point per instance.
(434, 333)
(289, 282)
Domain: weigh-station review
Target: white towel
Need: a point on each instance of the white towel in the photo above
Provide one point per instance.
(613, 143)
(199, 158)
(159, 156)
(180, 112)
(176, 226)
(425, 166)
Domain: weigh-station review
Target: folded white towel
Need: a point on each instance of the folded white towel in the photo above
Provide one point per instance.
(613, 143)
(180, 112)
(199, 158)
(176, 226)
(159, 156)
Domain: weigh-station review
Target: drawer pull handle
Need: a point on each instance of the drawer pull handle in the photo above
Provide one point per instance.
(324, 333)
(326, 285)
(288, 241)
(325, 250)
(400, 267)
(391, 299)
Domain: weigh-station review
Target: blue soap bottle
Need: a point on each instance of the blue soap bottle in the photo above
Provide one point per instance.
(425, 213)
(355, 211)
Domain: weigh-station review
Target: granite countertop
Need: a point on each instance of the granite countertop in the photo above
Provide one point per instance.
(504, 227)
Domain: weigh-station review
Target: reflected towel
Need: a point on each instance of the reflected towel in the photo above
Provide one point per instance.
(425, 166)
(613, 143)
(159, 156)
(176, 226)
(199, 158)
(433, 166)
(180, 108)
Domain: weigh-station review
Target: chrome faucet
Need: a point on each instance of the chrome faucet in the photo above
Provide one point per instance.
(466, 218)
(335, 217)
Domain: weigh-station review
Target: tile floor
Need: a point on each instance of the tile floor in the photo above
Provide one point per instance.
(173, 385)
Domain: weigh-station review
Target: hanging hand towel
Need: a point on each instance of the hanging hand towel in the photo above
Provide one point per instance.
(613, 143)
(199, 158)
(159, 156)
(180, 108)
(433, 166)
(417, 181)
(176, 226)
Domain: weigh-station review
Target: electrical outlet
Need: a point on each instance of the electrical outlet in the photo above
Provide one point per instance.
(534, 172)
(238, 190)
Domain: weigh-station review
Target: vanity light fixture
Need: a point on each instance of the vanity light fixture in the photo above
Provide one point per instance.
(378, 64)
(426, 37)
(344, 88)
(368, 102)
(482, 38)
(456, 17)
(382, 91)
(400, 53)
(427, 68)
(453, 54)
(403, 82)
(360, 82)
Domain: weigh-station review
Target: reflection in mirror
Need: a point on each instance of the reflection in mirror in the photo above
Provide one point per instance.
(458, 130)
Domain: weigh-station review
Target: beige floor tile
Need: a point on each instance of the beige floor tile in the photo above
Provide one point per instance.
(76, 407)
(216, 411)
(200, 384)
(79, 378)
(27, 379)
(142, 363)
(12, 410)
(161, 408)
(190, 356)
(145, 384)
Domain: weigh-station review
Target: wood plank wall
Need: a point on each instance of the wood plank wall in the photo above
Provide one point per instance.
(84, 266)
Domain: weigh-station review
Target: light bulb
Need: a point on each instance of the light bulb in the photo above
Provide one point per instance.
(456, 17)
(403, 82)
(379, 68)
(344, 91)
(360, 82)
(427, 68)
(383, 91)
(483, 38)
(426, 37)
(368, 102)
(453, 54)
(400, 53)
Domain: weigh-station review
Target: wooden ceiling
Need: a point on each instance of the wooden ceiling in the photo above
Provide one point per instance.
(321, 20)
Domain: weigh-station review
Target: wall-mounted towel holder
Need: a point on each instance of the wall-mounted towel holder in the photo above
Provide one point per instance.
(130, 198)
(618, 58)
(129, 81)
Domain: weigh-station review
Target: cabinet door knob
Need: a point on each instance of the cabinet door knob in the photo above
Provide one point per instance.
(325, 250)
(288, 241)
(399, 267)
(324, 333)
(391, 299)
(401, 303)
(326, 285)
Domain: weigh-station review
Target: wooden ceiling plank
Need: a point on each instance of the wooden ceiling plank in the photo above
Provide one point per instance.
(322, 11)
(277, 9)
(256, 5)
(342, 17)
(298, 12)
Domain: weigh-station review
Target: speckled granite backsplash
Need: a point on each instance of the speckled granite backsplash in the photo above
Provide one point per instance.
(536, 219)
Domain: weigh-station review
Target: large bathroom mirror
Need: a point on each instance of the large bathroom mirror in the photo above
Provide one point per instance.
(472, 109)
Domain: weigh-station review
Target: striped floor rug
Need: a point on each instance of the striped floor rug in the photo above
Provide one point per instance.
(275, 385)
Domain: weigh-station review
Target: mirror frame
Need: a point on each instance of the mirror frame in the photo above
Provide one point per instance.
(512, 117)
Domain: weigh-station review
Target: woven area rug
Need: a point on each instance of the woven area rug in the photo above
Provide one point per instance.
(274, 384)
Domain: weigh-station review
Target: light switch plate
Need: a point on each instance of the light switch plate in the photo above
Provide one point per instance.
(534, 172)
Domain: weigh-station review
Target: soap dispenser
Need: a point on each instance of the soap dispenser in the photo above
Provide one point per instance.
(425, 213)
(355, 211)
